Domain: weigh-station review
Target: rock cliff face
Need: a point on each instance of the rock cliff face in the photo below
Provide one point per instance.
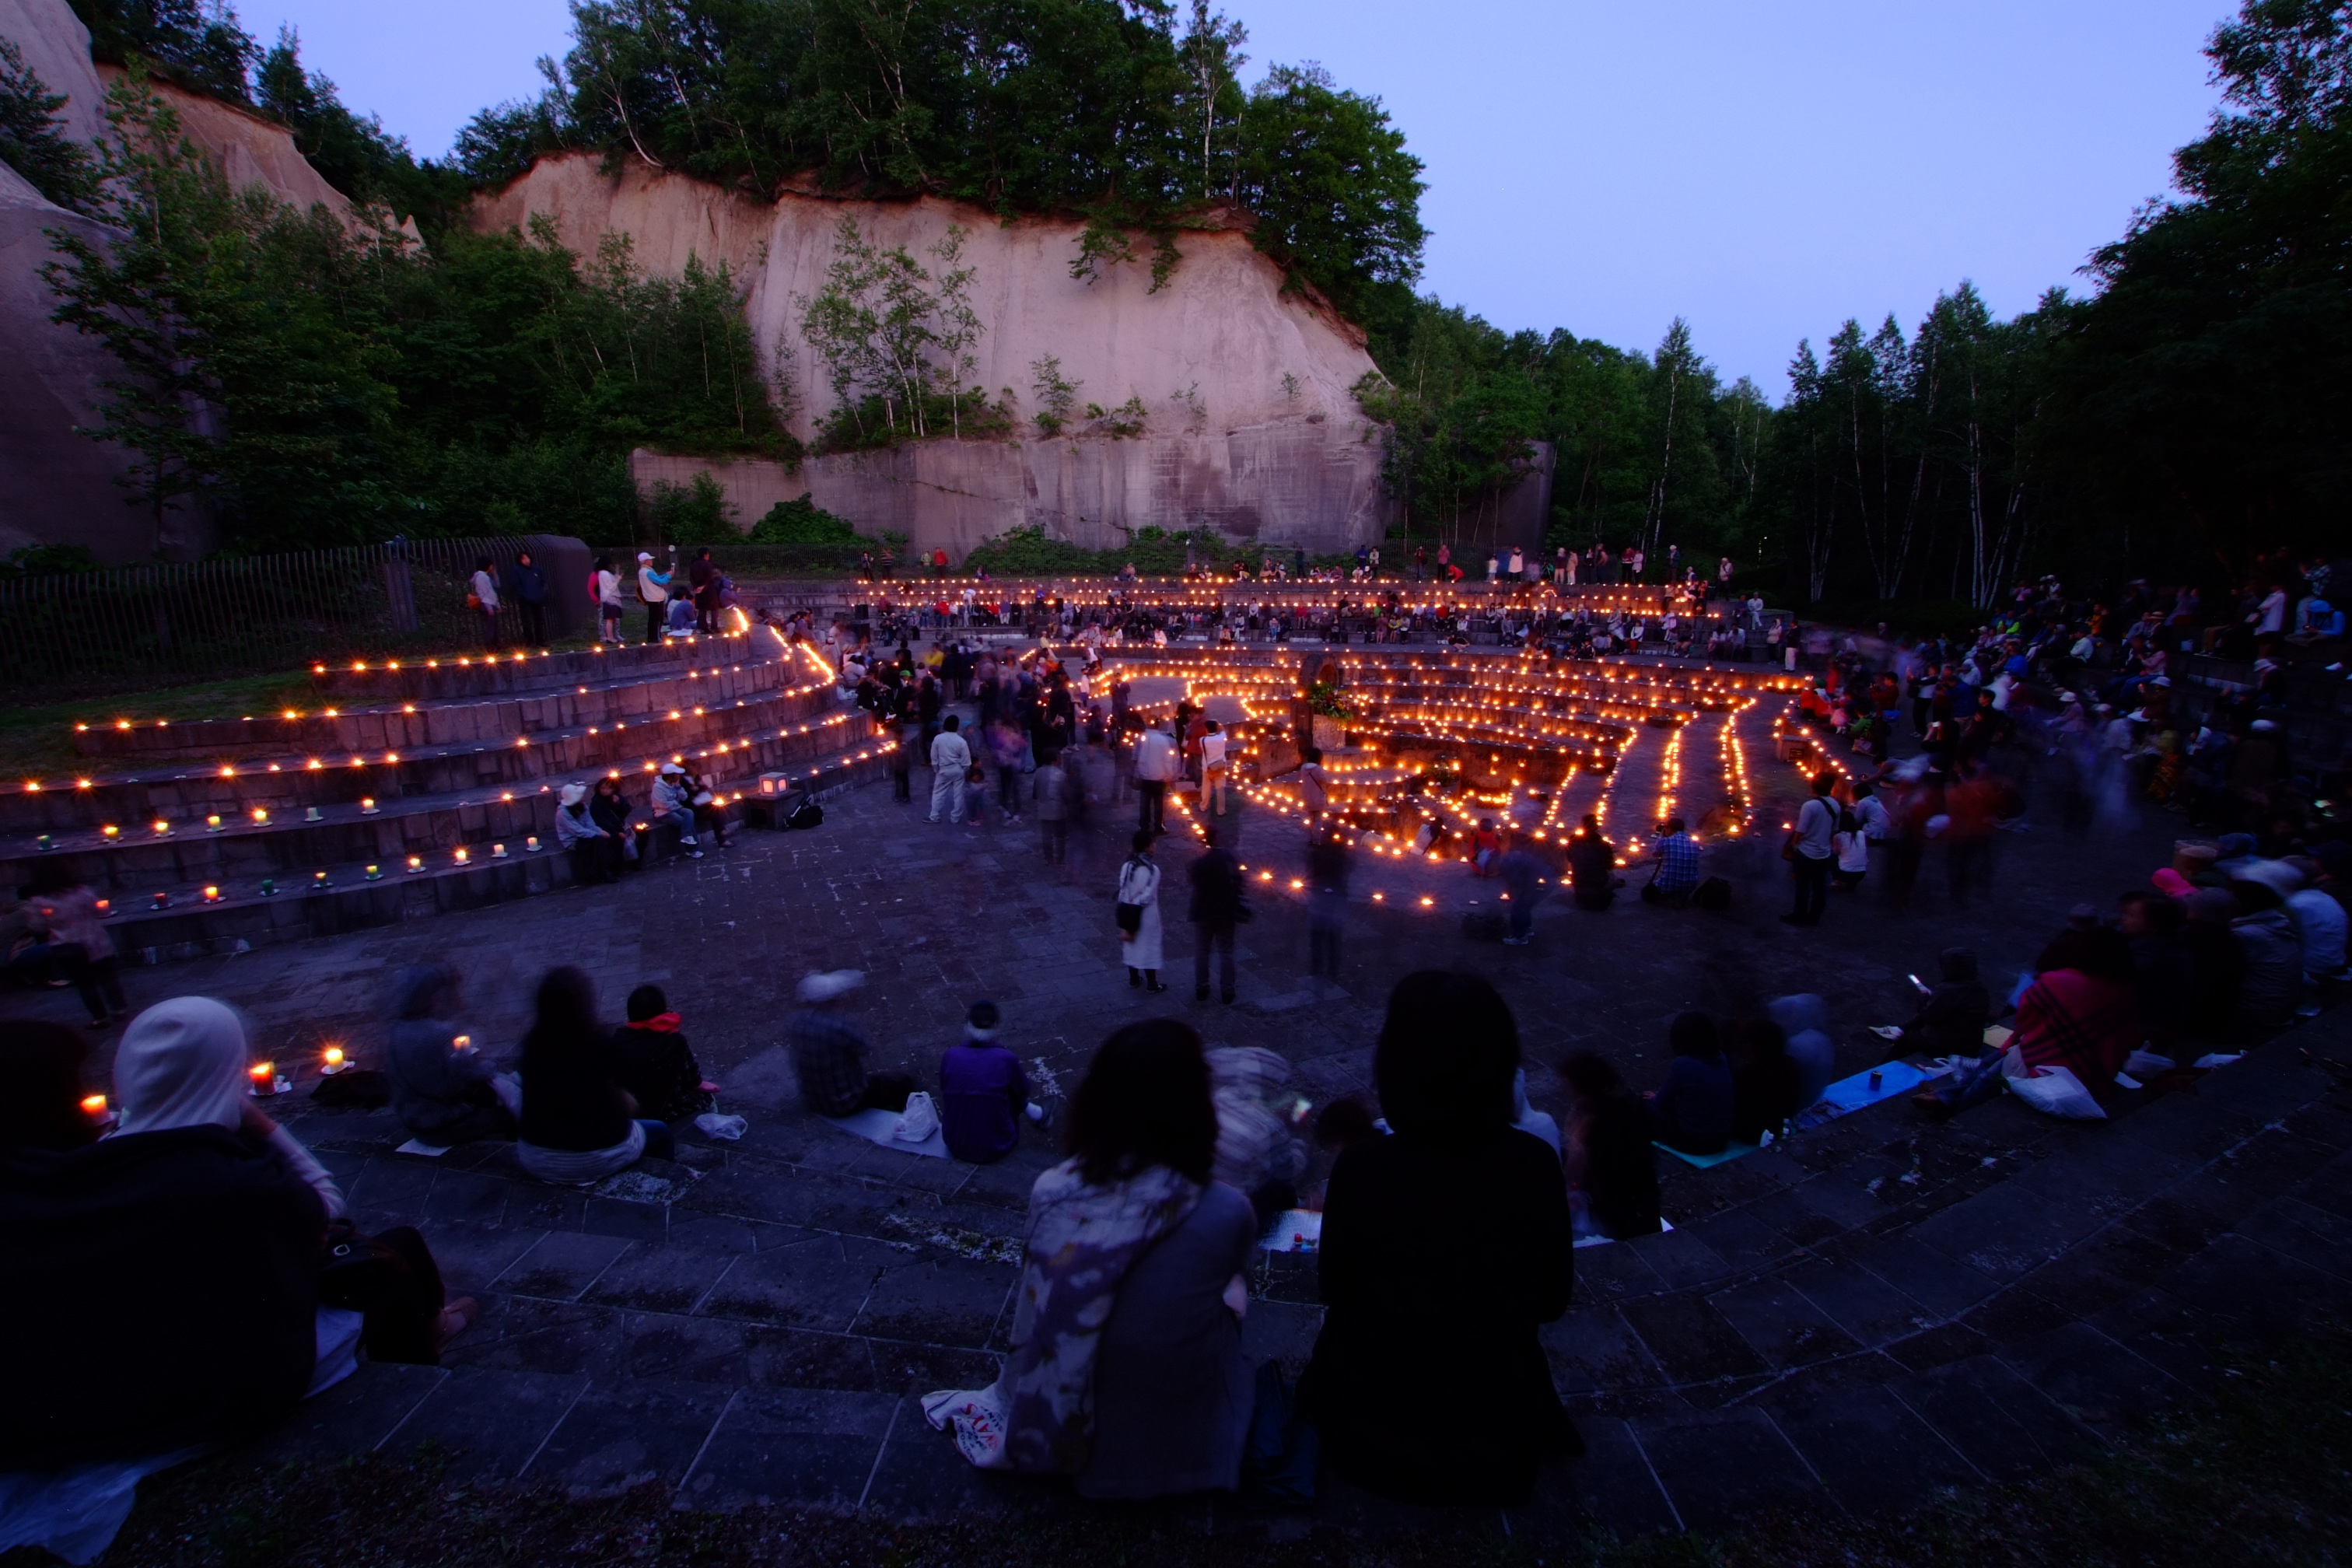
(1252, 427)
(60, 485)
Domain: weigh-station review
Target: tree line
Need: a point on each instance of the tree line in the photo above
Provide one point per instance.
(2175, 414)
(2173, 420)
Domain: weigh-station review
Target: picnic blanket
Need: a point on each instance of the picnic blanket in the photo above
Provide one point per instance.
(1843, 1098)
(882, 1127)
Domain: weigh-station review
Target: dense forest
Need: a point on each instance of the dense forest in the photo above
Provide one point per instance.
(2172, 413)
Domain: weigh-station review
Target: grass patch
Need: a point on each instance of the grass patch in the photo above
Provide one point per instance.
(2258, 1476)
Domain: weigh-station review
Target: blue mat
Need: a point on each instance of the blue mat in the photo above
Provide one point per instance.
(1848, 1095)
(1843, 1098)
(1706, 1162)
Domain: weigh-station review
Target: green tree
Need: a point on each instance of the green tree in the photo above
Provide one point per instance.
(32, 141)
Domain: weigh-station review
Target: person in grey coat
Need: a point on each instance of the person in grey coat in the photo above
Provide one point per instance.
(444, 1089)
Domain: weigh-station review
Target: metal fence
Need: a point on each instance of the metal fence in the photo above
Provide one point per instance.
(81, 633)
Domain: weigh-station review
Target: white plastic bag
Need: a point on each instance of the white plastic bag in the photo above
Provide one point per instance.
(721, 1127)
(2147, 1062)
(2056, 1092)
(920, 1122)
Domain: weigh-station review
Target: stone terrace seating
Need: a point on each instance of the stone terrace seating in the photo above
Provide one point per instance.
(1869, 1312)
(412, 788)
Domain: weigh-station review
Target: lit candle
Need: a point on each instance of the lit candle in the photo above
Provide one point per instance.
(334, 1061)
(416, 862)
(461, 857)
(263, 1076)
(212, 822)
(260, 817)
(212, 895)
(94, 1107)
(376, 873)
(497, 851)
(163, 900)
(367, 805)
(530, 842)
(319, 878)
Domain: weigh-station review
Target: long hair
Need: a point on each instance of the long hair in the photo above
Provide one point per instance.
(1144, 1101)
(1448, 1051)
(566, 1010)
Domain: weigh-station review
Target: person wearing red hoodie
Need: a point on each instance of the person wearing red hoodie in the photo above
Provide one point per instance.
(657, 1066)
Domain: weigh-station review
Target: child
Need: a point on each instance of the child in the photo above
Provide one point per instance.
(655, 1063)
(975, 796)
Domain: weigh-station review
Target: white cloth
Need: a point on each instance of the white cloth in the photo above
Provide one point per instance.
(182, 1063)
(486, 590)
(1139, 883)
(608, 588)
(579, 1167)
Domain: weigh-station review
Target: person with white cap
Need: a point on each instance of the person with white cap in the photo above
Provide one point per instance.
(829, 1050)
(653, 591)
(596, 853)
(674, 803)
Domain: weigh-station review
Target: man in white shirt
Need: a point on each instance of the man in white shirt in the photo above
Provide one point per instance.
(950, 761)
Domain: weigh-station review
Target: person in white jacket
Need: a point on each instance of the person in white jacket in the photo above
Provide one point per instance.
(604, 587)
(950, 761)
(483, 596)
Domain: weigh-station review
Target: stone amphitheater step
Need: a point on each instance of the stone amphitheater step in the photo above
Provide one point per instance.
(271, 837)
(1873, 1312)
(427, 723)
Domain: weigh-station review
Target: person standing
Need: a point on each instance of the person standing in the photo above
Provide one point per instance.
(1215, 913)
(702, 578)
(604, 587)
(527, 587)
(1156, 764)
(1522, 876)
(1139, 914)
(653, 592)
(1811, 850)
(1214, 769)
(1327, 903)
(482, 598)
(950, 761)
(1049, 794)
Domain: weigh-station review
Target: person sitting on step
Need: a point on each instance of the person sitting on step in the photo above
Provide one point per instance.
(657, 1069)
(1444, 1247)
(1691, 1111)
(1127, 1370)
(578, 1124)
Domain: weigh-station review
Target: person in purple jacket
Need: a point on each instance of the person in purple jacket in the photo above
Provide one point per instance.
(981, 1091)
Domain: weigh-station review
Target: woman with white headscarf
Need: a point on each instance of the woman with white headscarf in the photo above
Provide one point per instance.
(178, 1261)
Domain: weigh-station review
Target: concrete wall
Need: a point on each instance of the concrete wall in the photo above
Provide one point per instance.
(1279, 483)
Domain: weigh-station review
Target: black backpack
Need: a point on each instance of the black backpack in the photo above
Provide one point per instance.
(799, 809)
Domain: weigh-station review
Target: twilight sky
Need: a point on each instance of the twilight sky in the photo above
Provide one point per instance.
(1766, 168)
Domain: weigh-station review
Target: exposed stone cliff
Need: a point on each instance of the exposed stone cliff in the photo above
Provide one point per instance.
(1252, 427)
(59, 485)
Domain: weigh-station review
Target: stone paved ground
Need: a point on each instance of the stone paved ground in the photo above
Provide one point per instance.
(1873, 1309)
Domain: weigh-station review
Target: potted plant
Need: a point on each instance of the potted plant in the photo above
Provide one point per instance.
(1328, 712)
